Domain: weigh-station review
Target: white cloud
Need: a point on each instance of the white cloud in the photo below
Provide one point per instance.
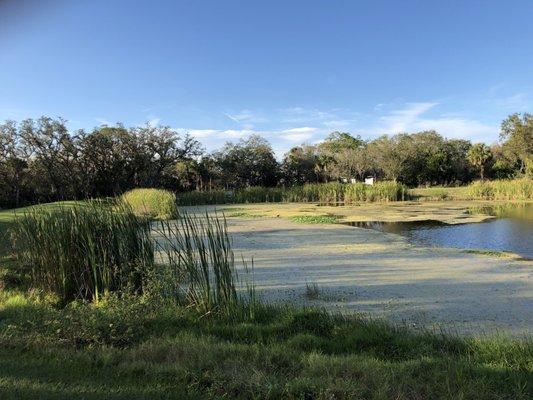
(237, 134)
(299, 135)
(154, 121)
(313, 124)
(200, 133)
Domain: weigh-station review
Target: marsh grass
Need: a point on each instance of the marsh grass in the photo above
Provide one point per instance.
(152, 203)
(504, 189)
(333, 193)
(83, 251)
(517, 189)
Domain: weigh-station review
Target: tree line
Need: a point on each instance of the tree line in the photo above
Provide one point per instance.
(41, 161)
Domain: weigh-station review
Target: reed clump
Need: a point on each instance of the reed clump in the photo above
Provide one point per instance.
(83, 251)
(197, 250)
(152, 203)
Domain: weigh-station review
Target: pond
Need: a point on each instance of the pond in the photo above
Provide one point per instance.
(511, 230)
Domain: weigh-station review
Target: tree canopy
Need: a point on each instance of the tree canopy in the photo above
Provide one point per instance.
(41, 160)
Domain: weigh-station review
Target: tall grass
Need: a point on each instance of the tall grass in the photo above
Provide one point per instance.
(152, 203)
(85, 250)
(198, 250)
(516, 189)
(324, 193)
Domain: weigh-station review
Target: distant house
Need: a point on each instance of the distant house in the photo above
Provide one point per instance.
(369, 181)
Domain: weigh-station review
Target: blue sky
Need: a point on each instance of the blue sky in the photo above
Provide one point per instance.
(292, 71)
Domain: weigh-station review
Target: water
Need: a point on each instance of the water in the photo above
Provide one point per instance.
(511, 230)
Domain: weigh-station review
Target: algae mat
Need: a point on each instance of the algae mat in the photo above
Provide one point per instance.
(357, 270)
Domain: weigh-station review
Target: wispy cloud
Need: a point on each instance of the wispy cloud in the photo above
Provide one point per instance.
(413, 117)
(103, 121)
(402, 119)
(246, 118)
(517, 102)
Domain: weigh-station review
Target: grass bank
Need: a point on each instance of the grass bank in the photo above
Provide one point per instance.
(141, 348)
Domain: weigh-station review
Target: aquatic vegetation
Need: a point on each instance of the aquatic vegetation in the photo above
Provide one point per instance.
(315, 219)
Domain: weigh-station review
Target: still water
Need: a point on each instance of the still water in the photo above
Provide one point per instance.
(511, 230)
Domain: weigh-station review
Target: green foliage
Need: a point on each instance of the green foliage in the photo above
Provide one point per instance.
(517, 189)
(152, 203)
(83, 251)
(249, 162)
(517, 134)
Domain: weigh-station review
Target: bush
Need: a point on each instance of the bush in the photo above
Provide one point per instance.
(83, 251)
(152, 203)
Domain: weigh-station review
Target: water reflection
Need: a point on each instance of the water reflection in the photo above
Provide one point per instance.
(512, 230)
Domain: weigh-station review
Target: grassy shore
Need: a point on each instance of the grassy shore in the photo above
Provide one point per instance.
(508, 190)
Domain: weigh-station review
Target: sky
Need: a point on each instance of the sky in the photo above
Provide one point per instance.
(292, 71)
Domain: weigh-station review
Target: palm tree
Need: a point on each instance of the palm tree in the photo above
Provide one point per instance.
(479, 155)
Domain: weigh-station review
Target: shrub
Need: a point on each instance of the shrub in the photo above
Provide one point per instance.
(152, 203)
(83, 251)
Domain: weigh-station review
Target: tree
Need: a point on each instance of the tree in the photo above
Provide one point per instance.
(479, 155)
(299, 165)
(13, 168)
(335, 154)
(52, 154)
(250, 162)
(391, 155)
(517, 135)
